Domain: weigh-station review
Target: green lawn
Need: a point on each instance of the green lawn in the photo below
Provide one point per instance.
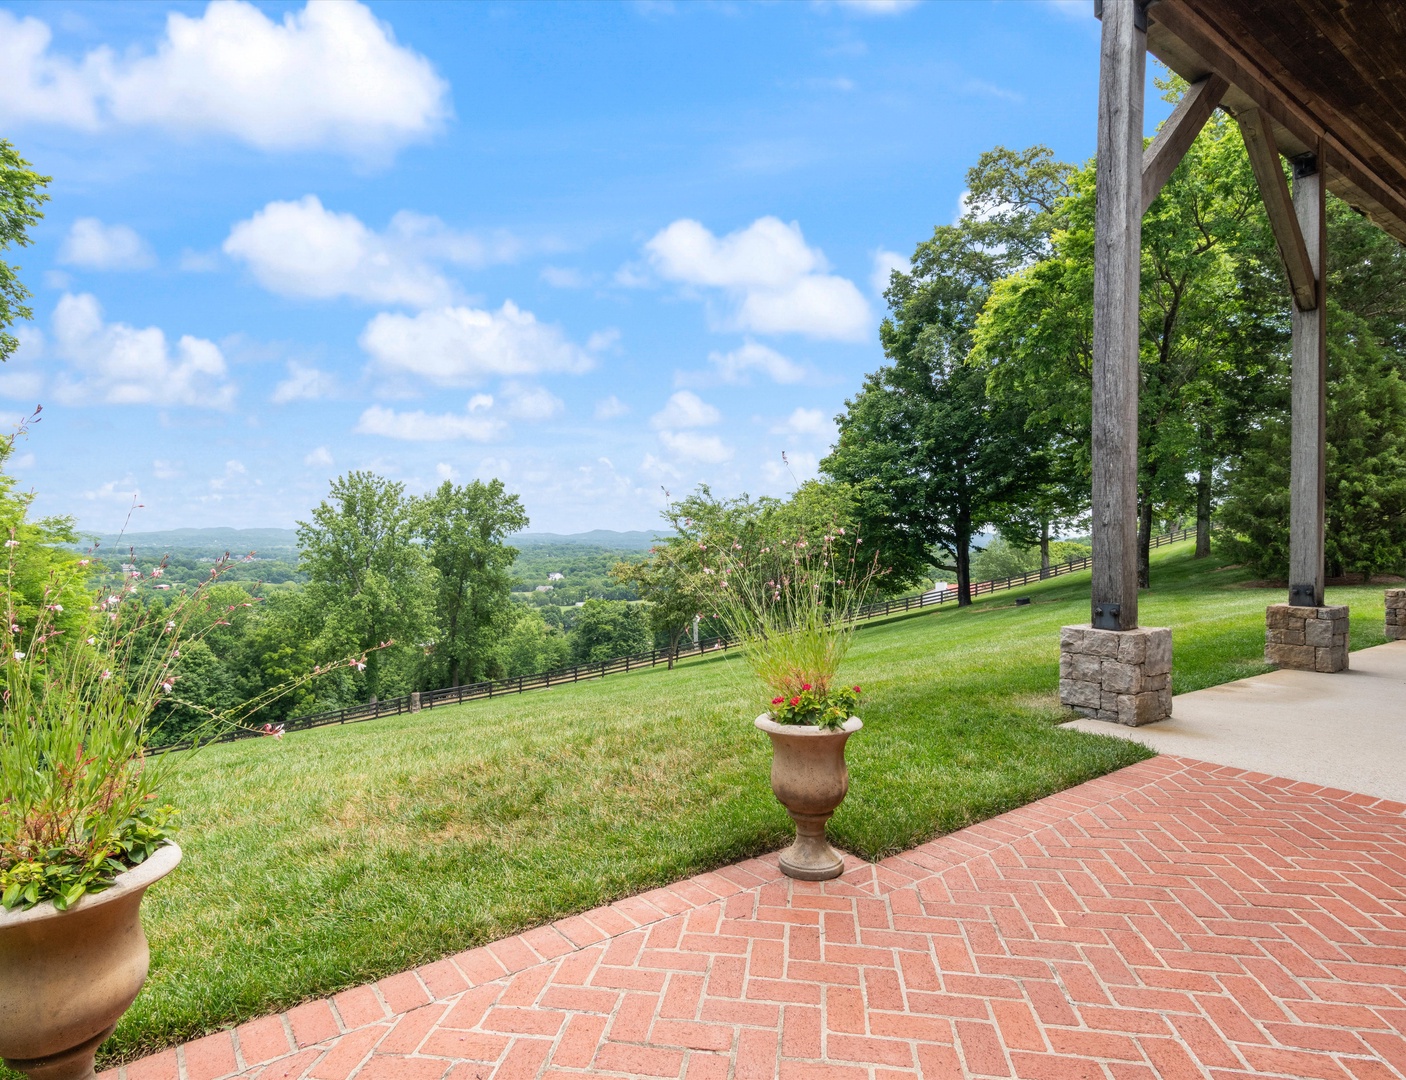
(341, 855)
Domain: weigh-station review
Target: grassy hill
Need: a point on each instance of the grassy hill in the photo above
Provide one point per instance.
(344, 854)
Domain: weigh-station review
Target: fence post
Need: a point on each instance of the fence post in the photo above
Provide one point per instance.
(415, 701)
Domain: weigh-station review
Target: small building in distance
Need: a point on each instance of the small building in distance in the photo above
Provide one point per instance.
(543, 588)
(556, 577)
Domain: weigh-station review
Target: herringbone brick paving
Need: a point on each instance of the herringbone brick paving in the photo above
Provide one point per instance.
(1174, 919)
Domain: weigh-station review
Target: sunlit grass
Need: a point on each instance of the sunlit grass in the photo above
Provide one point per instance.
(341, 855)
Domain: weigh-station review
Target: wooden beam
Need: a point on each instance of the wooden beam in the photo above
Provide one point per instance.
(1264, 159)
(1117, 280)
(1178, 133)
(1308, 403)
(1192, 46)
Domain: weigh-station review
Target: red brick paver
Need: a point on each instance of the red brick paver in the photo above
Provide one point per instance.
(1173, 920)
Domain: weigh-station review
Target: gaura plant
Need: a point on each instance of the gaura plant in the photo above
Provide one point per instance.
(792, 603)
(79, 796)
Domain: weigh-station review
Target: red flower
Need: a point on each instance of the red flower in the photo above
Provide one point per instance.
(777, 700)
(856, 689)
(795, 701)
(805, 686)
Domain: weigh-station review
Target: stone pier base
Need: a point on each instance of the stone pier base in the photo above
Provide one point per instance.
(1306, 638)
(414, 701)
(1120, 675)
(1396, 614)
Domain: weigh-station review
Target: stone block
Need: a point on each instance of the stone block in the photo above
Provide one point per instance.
(1103, 643)
(1318, 632)
(1134, 710)
(1071, 638)
(1132, 648)
(1120, 678)
(1276, 616)
(1159, 651)
(1330, 659)
(1396, 614)
(1291, 656)
(1330, 612)
(1076, 693)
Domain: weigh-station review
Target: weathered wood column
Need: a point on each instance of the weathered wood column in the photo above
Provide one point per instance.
(1117, 276)
(1308, 440)
(1114, 670)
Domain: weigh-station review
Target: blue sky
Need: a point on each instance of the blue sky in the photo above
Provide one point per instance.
(596, 250)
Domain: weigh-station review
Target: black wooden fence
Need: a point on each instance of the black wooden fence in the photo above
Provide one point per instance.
(544, 680)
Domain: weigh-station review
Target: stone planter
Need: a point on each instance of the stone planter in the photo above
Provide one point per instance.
(810, 779)
(66, 977)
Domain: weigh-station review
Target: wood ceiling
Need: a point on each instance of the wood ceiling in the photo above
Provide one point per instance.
(1327, 74)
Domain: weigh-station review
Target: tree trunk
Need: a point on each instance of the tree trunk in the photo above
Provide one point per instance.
(964, 564)
(1144, 543)
(1203, 515)
(1045, 548)
(453, 671)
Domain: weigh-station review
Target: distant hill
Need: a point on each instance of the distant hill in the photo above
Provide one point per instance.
(601, 538)
(283, 543)
(272, 543)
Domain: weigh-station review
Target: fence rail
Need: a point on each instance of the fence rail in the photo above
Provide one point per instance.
(543, 680)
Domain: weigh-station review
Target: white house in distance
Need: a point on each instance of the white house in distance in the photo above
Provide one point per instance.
(555, 577)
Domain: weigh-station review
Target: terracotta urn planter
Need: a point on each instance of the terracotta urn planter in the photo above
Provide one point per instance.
(810, 779)
(66, 977)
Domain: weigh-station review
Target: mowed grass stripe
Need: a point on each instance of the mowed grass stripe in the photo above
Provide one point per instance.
(344, 854)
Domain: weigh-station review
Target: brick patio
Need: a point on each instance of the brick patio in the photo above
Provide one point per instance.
(1171, 920)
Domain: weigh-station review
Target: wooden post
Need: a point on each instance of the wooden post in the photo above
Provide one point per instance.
(1307, 464)
(1117, 277)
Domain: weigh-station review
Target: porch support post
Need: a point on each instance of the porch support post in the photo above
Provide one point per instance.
(1117, 274)
(1307, 463)
(1115, 670)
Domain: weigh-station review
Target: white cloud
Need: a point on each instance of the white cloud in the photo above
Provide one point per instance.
(118, 364)
(611, 408)
(320, 458)
(445, 471)
(807, 422)
(885, 262)
(421, 426)
(876, 7)
(529, 402)
(736, 366)
(685, 410)
(696, 446)
(122, 491)
(459, 346)
(329, 77)
(95, 246)
(199, 262)
(21, 385)
(775, 282)
(303, 384)
(564, 277)
(166, 470)
(792, 469)
(24, 461)
(303, 249)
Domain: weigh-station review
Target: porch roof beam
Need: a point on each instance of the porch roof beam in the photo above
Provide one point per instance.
(1165, 152)
(1279, 205)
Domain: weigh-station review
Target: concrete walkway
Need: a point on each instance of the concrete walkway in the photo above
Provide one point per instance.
(1173, 920)
(1342, 731)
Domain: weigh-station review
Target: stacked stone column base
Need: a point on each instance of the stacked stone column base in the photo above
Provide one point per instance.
(1120, 675)
(1306, 638)
(1396, 614)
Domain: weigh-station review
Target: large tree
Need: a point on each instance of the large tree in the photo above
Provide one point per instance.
(367, 576)
(465, 529)
(933, 458)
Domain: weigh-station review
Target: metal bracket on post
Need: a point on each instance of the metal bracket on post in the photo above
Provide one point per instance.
(1139, 14)
(1302, 596)
(1304, 165)
(1106, 616)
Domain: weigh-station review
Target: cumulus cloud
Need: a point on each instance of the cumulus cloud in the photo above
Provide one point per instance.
(530, 402)
(94, 246)
(807, 422)
(696, 446)
(685, 410)
(420, 426)
(737, 366)
(773, 281)
(328, 77)
(611, 408)
(117, 364)
(303, 384)
(300, 248)
(320, 458)
(460, 346)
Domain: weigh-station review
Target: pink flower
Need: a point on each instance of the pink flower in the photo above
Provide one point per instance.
(777, 700)
(106, 675)
(805, 686)
(84, 562)
(795, 701)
